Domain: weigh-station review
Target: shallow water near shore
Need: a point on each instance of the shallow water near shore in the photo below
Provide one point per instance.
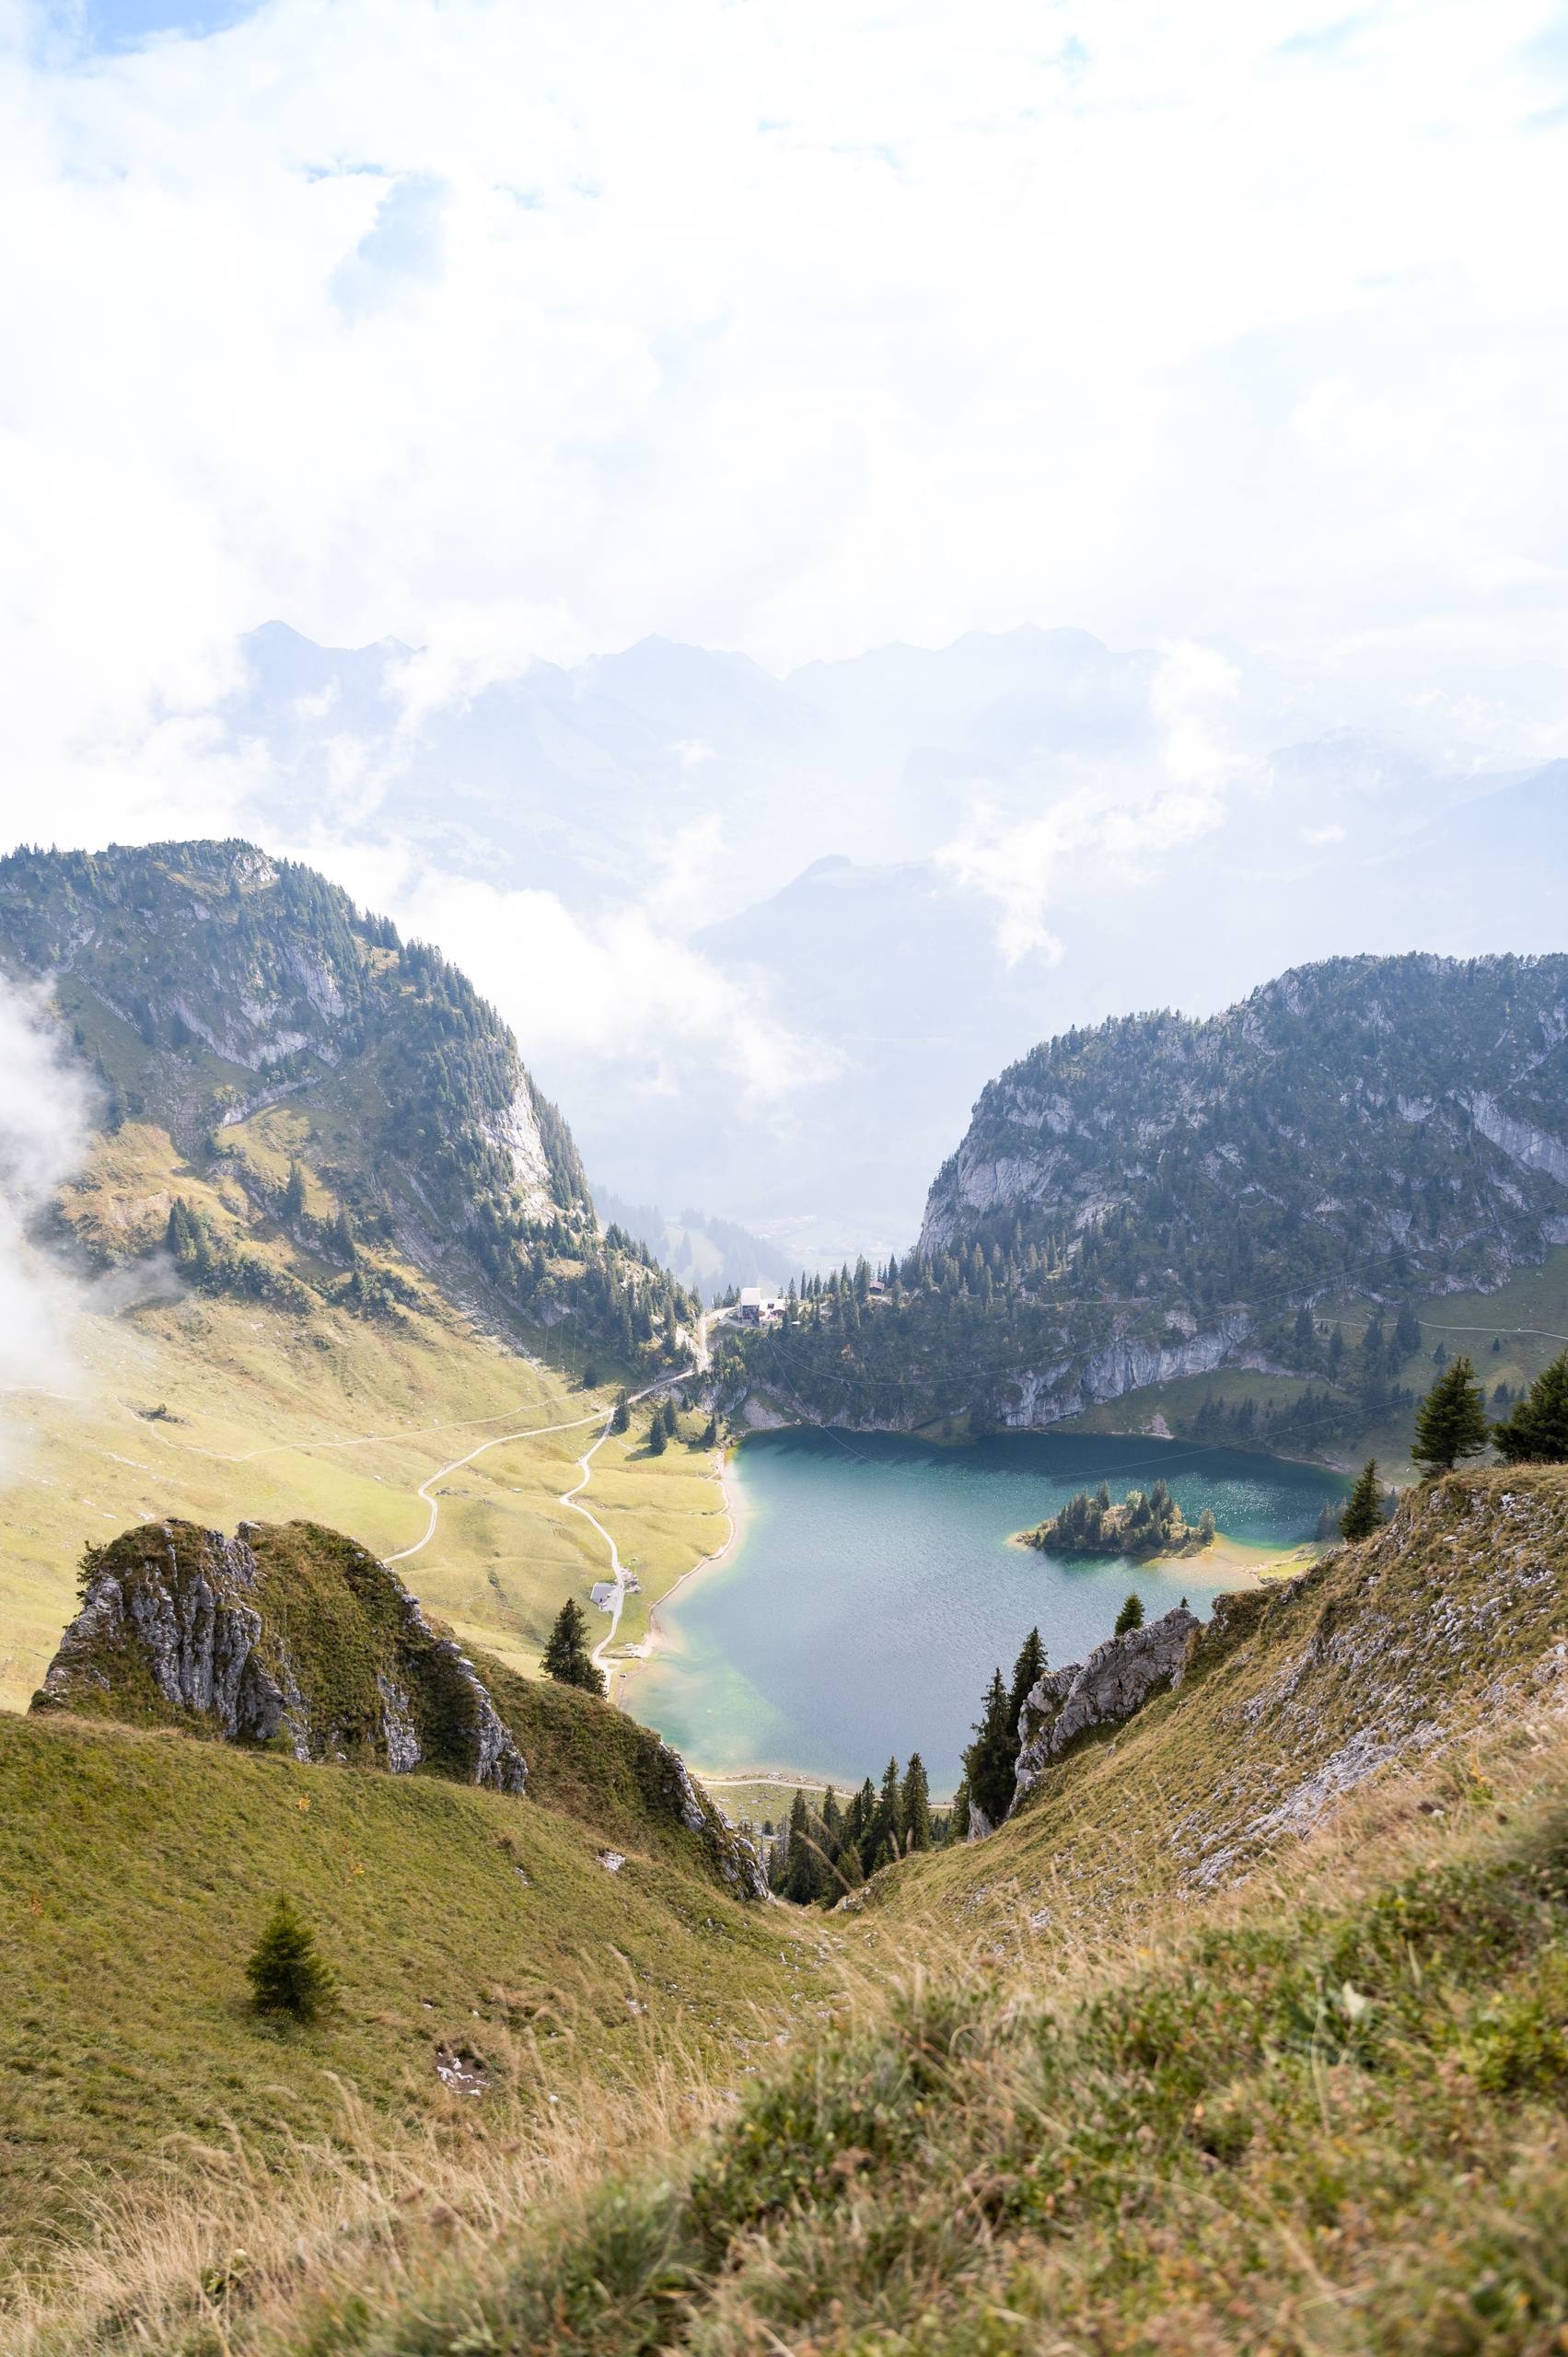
(872, 1589)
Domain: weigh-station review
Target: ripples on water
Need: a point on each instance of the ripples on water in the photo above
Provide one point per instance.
(873, 1589)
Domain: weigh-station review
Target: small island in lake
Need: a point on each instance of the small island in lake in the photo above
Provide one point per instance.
(1144, 1524)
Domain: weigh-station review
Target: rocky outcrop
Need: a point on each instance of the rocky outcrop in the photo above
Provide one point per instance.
(738, 1864)
(282, 1634)
(1117, 1678)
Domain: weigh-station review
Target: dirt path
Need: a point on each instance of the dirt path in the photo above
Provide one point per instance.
(534, 1432)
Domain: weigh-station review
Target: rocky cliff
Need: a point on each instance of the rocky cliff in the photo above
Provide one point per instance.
(288, 1635)
(291, 1637)
(1375, 1113)
(1117, 1678)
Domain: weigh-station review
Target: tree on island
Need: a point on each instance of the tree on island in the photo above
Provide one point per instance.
(1363, 1508)
(286, 1973)
(1537, 1431)
(566, 1656)
(1451, 1420)
(1131, 1617)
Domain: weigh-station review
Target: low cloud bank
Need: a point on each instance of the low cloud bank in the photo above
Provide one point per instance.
(45, 1120)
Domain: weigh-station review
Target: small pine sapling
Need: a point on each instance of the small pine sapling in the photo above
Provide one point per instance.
(286, 1973)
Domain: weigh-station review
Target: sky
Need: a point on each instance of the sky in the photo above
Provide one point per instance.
(518, 332)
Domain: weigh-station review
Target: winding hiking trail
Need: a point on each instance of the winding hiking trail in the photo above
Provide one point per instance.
(429, 1490)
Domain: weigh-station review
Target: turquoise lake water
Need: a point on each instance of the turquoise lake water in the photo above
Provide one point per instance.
(873, 1591)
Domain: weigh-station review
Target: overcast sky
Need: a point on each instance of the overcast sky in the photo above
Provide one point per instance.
(516, 329)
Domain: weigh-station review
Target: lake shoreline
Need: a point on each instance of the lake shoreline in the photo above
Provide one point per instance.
(626, 1670)
(877, 1587)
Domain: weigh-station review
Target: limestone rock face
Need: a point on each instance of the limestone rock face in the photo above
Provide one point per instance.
(285, 1633)
(1117, 1678)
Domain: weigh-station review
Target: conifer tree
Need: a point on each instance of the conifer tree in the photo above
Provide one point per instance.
(887, 1825)
(670, 1425)
(286, 1973)
(1363, 1508)
(1131, 1616)
(621, 1414)
(849, 1872)
(566, 1656)
(1451, 1420)
(294, 1192)
(989, 1758)
(658, 1439)
(916, 1802)
(1537, 1431)
(1027, 1670)
(804, 1873)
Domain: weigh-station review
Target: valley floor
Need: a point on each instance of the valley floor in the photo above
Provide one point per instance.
(219, 1410)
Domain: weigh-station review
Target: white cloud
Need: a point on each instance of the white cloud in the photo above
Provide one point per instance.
(1107, 827)
(617, 990)
(43, 1137)
(514, 333)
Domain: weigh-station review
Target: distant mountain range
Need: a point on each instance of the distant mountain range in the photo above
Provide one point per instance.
(913, 864)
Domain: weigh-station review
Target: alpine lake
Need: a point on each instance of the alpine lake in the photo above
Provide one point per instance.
(871, 1589)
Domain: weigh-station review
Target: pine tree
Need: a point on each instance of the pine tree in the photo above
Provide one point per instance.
(1537, 1431)
(916, 1802)
(286, 1973)
(658, 1439)
(1363, 1508)
(1027, 1670)
(849, 1872)
(887, 1825)
(566, 1656)
(670, 1425)
(294, 1192)
(1451, 1420)
(711, 1433)
(805, 1873)
(989, 1758)
(1131, 1616)
(621, 1414)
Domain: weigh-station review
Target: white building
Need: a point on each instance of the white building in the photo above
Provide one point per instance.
(760, 1308)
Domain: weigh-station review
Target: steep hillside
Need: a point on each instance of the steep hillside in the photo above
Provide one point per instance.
(1161, 1198)
(362, 1104)
(329, 1255)
(1245, 2032)
(1448, 1628)
(297, 1639)
(137, 1866)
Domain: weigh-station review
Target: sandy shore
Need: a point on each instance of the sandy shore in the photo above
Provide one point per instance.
(625, 1671)
(1235, 1561)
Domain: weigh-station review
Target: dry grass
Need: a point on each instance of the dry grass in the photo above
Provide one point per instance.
(1162, 2134)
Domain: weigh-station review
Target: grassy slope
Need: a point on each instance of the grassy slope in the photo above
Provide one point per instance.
(1327, 2113)
(1335, 2122)
(269, 1410)
(1529, 1316)
(136, 1868)
(1453, 1620)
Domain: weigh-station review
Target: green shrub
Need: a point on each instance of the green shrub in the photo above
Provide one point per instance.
(286, 1975)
